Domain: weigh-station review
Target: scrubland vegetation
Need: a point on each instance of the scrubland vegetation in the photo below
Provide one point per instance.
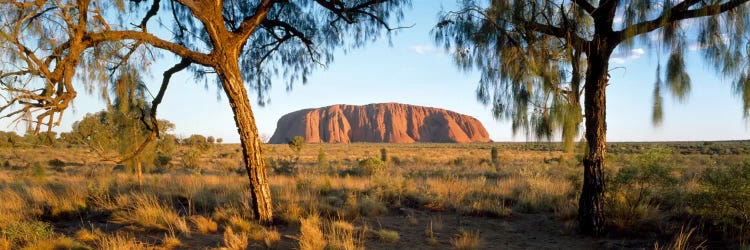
(374, 196)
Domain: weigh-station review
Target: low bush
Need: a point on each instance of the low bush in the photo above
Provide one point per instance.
(726, 196)
(637, 188)
(369, 167)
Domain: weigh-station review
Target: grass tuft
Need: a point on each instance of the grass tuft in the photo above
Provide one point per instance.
(148, 212)
(388, 236)
(234, 241)
(204, 225)
(311, 237)
(467, 241)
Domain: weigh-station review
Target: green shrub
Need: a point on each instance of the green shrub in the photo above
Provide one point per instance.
(56, 163)
(296, 144)
(191, 159)
(636, 189)
(726, 195)
(37, 170)
(162, 161)
(281, 166)
(370, 166)
(322, 159)
(198, 141)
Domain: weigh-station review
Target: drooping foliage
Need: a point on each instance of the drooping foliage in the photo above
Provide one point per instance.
(531, 54)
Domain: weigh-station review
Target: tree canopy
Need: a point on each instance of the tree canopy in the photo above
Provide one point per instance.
(531, 55)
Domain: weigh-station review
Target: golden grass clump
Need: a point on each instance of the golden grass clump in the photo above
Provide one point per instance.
(13, 207)
(467, 241)
(148, 212)
(54, 244)
(311, 237)
(238, 224)
(388, 236)
(171, 241)
(342, 235)
(234, 241)
(89, 235)
(682, 241)
(270, 238)
(204, 225)
(59, 200)
(121, 242)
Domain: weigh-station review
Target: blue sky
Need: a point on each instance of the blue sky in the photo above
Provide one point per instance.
(413, 71)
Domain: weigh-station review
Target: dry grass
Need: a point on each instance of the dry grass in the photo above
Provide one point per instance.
(682, 241)
(121, 242)
(451, 179)
(388, 236)
(311, 235)
(467, 241)
(204, 225)
(147, 211)
(239, 224)
(343, 235)
(55, 244)
(235, 241)
(13, 208)
(271, 238)
(5, 244)
(171, 241)
(89, 235)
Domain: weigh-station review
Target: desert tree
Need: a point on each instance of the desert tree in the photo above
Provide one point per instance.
(43, 43)
(538, 58)
(241, 44)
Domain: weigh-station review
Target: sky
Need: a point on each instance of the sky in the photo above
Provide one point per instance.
(412, 70)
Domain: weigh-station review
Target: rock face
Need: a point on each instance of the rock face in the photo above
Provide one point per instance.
(382, 122)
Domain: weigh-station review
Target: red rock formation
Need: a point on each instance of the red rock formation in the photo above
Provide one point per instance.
(382, 122)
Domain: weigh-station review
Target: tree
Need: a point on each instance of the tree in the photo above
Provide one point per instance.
(110, 132)
(296, 144)
(198, 141)
(237, 42)
(532, 55)
(125, 113)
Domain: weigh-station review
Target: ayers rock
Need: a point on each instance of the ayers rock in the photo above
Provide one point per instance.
(381, 122)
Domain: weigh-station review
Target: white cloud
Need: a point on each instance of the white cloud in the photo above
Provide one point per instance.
(623, 57)
(423, 49)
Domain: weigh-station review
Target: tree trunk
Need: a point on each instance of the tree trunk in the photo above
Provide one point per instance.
(591, 203)
(262, 207)
(138, 166)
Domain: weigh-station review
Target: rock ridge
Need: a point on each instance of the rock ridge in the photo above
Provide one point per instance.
(379, 122)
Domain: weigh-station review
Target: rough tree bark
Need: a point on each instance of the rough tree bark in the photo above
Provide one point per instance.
(138, 166)
(591, 204)
(229, 74)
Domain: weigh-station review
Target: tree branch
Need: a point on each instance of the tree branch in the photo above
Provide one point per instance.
(182, 51)
(677, 13)
(585, 5)
(249, 24)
